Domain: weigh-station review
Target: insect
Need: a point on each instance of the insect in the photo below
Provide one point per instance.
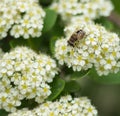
(78, 35)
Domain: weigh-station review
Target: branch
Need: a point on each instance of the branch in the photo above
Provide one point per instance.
(115, 18)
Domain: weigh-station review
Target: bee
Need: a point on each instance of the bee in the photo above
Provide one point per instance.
(78, 35)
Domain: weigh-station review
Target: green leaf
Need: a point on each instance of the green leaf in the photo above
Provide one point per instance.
(72, 86)
(57, 87)
(109, 79)
(52, 44)
(45, 2)
(49, 20)
(3, 113)
(81, 74)
(18, 42)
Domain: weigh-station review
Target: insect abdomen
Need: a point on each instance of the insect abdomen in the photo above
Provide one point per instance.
(72, 40)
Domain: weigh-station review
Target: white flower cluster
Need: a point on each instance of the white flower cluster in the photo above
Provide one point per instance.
(23, 112)
(98, 48)
(66, 106)
(78, 19)
(90, 8)
(25, 75)
(23, 18)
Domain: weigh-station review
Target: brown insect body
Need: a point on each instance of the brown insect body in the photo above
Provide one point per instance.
(78, 35)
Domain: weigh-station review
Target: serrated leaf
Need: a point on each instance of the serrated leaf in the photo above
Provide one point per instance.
(49, 19)
(57, 87)
(72, 86)
(111, 78)
(81, 74)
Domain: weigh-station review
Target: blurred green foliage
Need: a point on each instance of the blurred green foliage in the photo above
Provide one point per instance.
(109, 79)
(45, 2)
(117, 5)
(3, 113)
